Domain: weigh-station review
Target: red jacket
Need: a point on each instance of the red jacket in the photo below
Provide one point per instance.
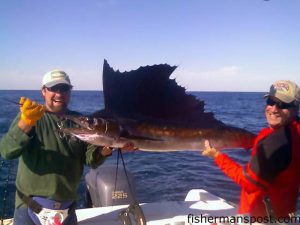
(273, 171)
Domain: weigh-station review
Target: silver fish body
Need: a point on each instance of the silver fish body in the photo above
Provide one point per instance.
(156, 137)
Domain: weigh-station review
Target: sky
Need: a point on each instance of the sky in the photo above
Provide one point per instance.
(218, 45)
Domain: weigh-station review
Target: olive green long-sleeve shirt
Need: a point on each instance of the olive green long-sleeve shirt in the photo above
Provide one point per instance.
(49, 165)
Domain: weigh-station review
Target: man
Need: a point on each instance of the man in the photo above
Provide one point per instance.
(270, 180)
(49, 167)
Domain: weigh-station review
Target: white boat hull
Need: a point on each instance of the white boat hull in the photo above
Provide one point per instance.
(198, 204)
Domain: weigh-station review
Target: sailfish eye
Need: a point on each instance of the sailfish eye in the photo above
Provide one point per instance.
(88, 120)
(89, 123)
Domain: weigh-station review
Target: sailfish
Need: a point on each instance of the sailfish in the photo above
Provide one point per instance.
(149, 109)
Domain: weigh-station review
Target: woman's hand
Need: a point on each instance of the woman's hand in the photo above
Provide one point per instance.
(210, 151)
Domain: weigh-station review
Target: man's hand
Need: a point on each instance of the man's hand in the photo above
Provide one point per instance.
(30, 111)
(210, 151)
(106, 151)
(129, 147)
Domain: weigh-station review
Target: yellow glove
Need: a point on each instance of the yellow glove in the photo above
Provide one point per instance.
(30, 111)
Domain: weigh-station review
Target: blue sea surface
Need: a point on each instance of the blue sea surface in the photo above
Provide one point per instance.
(158, 176)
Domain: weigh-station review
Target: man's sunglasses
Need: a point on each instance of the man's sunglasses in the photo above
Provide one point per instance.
(279, 104)
(59, 88)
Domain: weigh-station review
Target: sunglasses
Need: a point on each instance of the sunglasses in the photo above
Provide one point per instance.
(59, 88)
(279, 104)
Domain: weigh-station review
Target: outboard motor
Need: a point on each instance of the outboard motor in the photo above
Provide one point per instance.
(107, 186)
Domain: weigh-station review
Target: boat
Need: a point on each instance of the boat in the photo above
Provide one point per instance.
(199, 207)
(110, 187)
(110, 200)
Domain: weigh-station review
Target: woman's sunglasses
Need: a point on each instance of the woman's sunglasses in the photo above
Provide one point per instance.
(59, 88)
(279, 104)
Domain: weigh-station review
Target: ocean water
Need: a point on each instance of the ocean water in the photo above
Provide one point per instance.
(158, 176)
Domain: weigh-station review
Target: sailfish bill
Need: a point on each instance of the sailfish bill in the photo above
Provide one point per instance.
(150, 110)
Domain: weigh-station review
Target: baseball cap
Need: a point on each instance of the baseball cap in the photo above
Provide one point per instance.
(285, 90)
(55, 77)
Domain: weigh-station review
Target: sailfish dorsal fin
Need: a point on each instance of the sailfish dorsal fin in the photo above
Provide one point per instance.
(148, 92)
